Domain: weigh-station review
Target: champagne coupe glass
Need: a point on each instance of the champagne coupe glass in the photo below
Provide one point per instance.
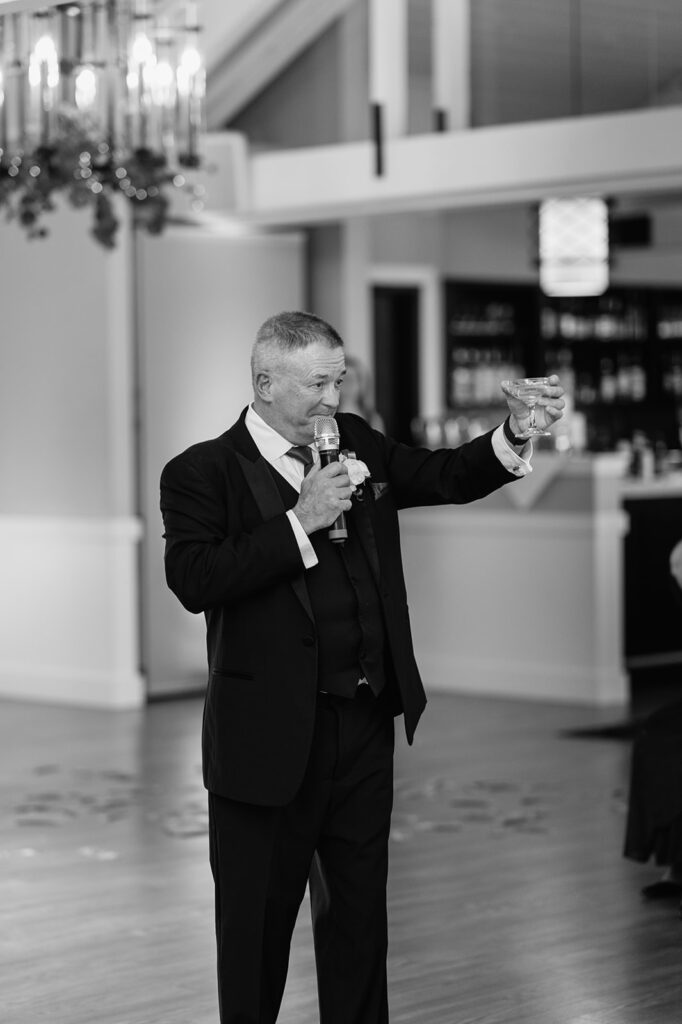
(528, 390)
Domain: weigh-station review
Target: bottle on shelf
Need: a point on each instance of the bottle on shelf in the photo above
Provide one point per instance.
(607, 326)
(642, 462)
(672, 375)
(661, 463)
(608, 384)
(637, 324)
(461, 379)
(549, 323)
(481, 377)
(669, 323)
(585, 390)
(476, 374)
(637, 382)
(567, 433)
(623, 378)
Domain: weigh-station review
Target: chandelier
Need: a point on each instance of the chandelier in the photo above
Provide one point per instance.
(99, 99)
(574, 246)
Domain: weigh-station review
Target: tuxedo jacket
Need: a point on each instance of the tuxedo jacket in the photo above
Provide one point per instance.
(231, 553)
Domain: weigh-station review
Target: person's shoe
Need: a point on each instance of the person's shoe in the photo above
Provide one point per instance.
(664, 889)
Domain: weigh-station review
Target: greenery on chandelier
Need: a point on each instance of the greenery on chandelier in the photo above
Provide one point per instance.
(78, 165)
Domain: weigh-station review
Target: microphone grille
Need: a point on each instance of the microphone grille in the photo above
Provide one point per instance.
(325, 428)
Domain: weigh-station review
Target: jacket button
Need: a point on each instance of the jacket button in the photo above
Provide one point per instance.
(308, 641)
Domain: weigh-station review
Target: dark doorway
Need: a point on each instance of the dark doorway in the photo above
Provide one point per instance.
(396, 358)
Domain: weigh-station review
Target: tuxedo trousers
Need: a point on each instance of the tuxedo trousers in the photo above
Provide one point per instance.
(334, 836)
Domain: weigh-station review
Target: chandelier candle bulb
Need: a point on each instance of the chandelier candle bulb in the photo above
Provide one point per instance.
(191, 90)
(140, 67)
(13, 79)
(43, 79)
(163, 91)
(70, 38)
(83, 42)
(87, 86)
(114, 73)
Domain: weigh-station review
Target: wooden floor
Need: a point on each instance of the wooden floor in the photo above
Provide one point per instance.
(510, 902)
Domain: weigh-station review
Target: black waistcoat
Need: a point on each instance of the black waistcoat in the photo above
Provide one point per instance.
(348, 618)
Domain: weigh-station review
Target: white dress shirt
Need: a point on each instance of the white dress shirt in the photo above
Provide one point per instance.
(274, 448)
(517, 463)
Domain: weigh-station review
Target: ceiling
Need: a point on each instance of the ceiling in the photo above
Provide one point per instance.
(536, 59)
(530, 59)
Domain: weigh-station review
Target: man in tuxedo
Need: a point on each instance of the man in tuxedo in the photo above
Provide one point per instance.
(310, 658)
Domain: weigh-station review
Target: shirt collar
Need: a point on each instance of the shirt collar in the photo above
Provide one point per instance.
(269, 442)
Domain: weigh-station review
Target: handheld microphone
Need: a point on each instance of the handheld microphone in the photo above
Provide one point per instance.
(328, 442)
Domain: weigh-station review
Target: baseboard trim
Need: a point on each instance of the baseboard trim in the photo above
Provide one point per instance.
(77, 687)
(553, 683)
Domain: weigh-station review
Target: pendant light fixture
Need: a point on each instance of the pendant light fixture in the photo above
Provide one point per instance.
(573, 242)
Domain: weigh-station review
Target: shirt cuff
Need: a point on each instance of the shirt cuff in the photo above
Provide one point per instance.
(307, 550)
(517, 463)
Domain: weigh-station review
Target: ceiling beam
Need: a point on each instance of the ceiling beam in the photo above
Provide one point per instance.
(609, 154)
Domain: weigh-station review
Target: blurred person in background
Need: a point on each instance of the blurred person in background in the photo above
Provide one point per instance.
(654, 819)
(357, 394)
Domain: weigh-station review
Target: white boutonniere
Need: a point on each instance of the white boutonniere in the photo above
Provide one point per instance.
(357, 472)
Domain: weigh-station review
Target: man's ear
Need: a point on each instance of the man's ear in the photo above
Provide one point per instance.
(263, 386)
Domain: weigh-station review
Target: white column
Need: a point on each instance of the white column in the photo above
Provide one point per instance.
(451, 27)
(356, 308)
(388, 63)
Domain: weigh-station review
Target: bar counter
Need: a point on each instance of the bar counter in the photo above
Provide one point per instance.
(522, 594)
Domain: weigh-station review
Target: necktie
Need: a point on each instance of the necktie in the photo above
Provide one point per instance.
(302, 453)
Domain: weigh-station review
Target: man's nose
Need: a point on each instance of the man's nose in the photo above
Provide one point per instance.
(330, 398)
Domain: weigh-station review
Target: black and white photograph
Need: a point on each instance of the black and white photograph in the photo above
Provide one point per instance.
(340, 511)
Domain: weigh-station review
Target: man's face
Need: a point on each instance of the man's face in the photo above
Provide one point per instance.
(305, 385)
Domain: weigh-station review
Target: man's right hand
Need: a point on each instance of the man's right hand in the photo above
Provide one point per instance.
(325, 494)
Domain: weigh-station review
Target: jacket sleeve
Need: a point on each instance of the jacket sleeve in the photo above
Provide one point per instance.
(210, 558)
(419, 476)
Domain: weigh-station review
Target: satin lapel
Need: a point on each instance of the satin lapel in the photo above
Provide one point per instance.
(260, 482)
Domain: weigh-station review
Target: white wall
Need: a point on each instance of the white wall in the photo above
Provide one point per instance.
(204, 295)
(68, 530)
(407, 238)
(65, 309)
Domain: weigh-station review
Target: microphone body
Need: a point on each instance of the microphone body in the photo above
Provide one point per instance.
(328, 442)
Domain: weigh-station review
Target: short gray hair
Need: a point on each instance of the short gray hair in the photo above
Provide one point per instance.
(291, 331)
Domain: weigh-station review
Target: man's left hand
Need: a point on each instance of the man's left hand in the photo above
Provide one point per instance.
(549, 408)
